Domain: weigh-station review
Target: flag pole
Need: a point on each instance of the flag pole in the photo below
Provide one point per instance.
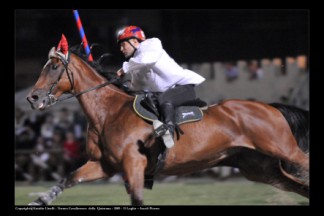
(82, 35)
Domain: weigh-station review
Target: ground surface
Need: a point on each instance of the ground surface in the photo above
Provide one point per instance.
(185, 192)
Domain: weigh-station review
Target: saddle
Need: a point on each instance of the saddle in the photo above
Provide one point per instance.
(191, 111)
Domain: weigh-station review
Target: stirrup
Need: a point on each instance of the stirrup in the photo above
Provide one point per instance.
(159, 128)
(168, 139)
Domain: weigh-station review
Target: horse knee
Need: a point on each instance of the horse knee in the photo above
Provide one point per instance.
(134, 168)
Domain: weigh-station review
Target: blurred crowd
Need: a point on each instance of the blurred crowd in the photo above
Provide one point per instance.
(253, 68)
(49, 145)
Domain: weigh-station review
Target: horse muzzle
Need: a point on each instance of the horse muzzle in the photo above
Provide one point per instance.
(40, 101)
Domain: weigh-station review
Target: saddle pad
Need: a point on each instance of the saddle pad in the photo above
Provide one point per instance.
(183, 114)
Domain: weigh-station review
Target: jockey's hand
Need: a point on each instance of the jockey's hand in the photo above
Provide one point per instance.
(120, 72)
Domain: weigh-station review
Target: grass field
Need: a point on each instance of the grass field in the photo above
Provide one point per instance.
(175, 193)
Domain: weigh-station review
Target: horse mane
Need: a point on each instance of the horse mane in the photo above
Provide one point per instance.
(77, 50)
(96, 65)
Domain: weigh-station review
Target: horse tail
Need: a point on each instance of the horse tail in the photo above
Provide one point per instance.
(298, 120)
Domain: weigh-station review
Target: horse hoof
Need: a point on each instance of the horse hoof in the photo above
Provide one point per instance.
(35, 203)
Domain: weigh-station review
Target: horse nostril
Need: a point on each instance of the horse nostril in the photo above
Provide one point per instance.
(35, 97)
(32, 98)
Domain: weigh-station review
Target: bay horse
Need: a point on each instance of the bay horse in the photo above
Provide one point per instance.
(253, 136)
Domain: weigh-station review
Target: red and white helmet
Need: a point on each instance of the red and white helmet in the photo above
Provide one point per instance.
(130, 32)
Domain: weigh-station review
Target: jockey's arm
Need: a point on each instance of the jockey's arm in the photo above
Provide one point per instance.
(120, 72)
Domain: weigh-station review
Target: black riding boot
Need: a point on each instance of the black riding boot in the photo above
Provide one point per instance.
(167, 111)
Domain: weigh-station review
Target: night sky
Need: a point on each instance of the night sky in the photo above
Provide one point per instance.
(187, 35)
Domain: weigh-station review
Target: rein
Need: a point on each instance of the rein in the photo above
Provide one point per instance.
(87, 90)
(52, 99)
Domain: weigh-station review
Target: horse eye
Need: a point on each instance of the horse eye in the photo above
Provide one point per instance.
(54, 67)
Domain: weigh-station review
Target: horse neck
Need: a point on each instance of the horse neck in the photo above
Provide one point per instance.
(99, 104)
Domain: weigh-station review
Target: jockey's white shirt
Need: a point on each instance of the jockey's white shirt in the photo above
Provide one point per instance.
(153, 70)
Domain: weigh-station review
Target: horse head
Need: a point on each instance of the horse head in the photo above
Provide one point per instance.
(55, 78)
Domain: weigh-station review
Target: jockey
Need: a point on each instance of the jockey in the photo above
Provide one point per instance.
(152, 70)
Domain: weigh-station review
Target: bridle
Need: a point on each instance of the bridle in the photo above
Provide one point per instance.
(65, 59)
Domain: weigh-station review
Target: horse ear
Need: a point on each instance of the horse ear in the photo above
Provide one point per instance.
(63, 45)
(51, 52)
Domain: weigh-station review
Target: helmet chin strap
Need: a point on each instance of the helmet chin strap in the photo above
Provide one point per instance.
(133, 48)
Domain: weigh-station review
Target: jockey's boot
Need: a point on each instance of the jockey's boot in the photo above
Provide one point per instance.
(171, 127)
(167, 111)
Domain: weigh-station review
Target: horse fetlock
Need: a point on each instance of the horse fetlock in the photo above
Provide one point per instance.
(50, 196)
(56, 191)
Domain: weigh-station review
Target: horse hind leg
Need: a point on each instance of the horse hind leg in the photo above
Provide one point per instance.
(299, 160)
(260, 167)
(294, 155)
(300, 175)
(271, 174)
(90, 171)
(289, 182)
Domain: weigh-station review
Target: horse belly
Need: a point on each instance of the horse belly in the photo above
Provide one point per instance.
(189, 165)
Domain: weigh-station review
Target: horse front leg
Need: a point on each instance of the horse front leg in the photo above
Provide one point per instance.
(134, 167)
(90, 171)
